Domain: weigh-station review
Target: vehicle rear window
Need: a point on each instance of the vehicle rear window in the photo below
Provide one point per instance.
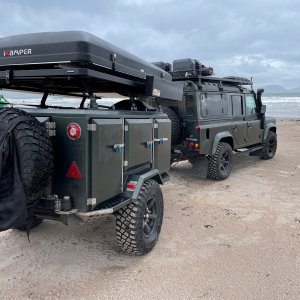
(189, 105)
(237, 105)
(214, 105)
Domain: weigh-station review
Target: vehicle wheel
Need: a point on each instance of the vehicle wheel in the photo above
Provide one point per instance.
(139, 223)
(269, 146)
(220, 165)
(176, 129)
(34, 152)
(35, 222)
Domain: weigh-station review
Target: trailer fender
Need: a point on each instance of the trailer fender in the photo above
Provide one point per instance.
(140, 179)
(225, 136)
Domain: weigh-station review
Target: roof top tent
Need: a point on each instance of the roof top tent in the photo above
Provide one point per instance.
(79, 64)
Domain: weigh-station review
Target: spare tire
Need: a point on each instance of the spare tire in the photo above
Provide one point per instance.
(34, 151)
(176, 129)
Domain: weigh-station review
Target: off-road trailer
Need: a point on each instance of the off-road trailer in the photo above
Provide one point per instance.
(77, 164)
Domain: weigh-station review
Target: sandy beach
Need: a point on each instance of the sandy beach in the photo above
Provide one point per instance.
(234, 239)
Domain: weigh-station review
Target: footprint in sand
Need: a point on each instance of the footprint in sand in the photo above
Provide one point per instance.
(286, 174)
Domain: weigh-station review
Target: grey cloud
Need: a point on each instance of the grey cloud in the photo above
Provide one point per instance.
(257, 38)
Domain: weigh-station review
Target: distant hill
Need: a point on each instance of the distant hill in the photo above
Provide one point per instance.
(295, 90)
(278, 89)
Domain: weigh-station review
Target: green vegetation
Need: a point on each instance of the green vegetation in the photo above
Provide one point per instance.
(3, 101)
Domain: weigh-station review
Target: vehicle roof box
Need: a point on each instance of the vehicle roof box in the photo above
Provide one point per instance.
(187, 67)
(185, 64)
(73, 46)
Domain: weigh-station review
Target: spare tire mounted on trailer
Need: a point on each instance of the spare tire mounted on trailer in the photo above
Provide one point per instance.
(33, 153)
(176, 128)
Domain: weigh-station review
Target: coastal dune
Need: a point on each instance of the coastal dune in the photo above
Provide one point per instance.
(234, 239)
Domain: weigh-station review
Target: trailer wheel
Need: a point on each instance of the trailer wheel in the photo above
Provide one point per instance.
(220, 165)
(175, 129)
(34, 151)
(139, 223)
(269, 146)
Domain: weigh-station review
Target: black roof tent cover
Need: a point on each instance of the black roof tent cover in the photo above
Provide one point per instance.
(79, 63)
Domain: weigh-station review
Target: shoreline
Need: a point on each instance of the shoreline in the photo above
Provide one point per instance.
(292, 119)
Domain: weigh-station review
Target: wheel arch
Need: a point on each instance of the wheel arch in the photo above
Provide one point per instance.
(270, 127)
(140, 179)
(226, 137)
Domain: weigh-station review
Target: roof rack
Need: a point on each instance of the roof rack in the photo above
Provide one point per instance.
(230, 80)
(192, 69)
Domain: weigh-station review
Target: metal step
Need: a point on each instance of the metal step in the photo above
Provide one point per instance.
(107, 207)
(250, 151)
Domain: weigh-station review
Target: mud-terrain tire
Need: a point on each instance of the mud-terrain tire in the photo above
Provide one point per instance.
(35, 222)
(34, 152)
(175, 128)
(220, 164)
(269, 146)
(139, 223)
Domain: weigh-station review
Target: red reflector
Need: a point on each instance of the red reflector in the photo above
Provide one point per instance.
(74, 131)
(73, 171)
(197, 127)
(130, 187)
(191, 145)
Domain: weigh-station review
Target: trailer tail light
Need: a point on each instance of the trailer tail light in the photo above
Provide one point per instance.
(197, 127)
(73, 171)
(197, 146)
(74, 131)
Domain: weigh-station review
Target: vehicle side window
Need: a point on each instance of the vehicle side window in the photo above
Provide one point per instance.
(189, 105)
(213, 105)
(250, 105)
(237, 105)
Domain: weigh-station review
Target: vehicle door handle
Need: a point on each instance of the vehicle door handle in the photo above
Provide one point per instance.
(149, 145)
(249, 125)
(161, 140)
(234, 128)
(119, 148)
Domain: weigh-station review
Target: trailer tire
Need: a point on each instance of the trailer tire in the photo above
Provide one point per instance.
(34, 152)
(139, 223)
(220, 164)
(176, 129)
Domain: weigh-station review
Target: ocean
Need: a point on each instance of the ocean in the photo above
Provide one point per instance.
(278, 105)
(282, 105)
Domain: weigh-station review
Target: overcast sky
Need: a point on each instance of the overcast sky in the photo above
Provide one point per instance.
(259, 38)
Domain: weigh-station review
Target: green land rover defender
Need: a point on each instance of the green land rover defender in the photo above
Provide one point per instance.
(216, 117)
